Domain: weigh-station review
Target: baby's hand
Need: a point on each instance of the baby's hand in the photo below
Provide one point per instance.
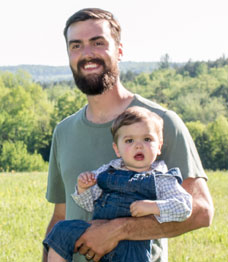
(85, 180)
(143, 208)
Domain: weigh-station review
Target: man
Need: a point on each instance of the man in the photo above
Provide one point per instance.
(83, 142)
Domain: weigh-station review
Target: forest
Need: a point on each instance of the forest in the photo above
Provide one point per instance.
(30, 110)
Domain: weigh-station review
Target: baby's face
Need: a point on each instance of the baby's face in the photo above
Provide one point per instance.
(138, 145)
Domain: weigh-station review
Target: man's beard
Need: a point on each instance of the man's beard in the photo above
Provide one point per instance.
(95, 84)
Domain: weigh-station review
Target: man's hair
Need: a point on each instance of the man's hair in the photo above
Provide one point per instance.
(134, 115)
(95, 13)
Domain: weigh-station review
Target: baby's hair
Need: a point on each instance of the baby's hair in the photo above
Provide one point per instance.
(134, 115)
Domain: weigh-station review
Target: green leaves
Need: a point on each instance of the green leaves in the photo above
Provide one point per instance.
(212, 142)
(67, 104)
(24, 122)
(15, 157)
(198, 92)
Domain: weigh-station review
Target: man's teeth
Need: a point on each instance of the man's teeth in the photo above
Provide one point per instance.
(88, 66)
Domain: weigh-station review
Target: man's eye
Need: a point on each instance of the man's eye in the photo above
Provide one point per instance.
(129, 141)
(99, 43)
(147, 139)
(75, 46)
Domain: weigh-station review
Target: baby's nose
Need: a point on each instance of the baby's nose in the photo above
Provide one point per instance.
(139, 145)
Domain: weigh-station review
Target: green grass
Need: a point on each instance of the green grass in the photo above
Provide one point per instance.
(206, 244)
(25, 213)
(24, 216)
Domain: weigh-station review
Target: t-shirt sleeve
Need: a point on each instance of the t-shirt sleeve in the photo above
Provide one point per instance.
(179, 149)
(55, 186)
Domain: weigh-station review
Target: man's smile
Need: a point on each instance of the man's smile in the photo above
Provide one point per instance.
(91, 65)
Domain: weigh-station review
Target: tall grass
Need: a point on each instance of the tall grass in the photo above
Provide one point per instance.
(24, 214)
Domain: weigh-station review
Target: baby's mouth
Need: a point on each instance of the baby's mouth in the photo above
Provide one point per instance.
(139, 157)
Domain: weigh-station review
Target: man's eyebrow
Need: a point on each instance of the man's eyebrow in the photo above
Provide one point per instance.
(76, 41)
(96, 38)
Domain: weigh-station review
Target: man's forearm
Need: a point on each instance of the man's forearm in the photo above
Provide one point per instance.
(148, 228)
(103, 236)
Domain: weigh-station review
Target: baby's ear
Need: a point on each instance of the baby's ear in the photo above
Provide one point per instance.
(114, 145)
(160, 148)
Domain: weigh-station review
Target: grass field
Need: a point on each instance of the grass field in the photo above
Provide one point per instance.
(24, 214)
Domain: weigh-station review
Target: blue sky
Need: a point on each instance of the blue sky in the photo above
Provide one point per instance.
(31, 30)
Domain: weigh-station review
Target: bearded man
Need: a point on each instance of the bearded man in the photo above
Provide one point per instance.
(83, 142)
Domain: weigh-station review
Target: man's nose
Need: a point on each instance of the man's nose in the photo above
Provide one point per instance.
(87, 51)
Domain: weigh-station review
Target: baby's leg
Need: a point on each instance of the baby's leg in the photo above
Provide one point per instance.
(54, 257)
(61, 239)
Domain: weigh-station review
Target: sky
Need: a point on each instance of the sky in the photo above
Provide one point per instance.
(31, 30)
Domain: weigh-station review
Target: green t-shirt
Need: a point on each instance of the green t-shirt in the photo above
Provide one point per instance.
(79, 145)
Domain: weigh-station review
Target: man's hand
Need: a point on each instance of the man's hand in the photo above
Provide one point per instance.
(99, 239)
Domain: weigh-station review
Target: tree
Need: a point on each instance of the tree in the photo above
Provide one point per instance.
(128, 76)
(67, 104)
(15, 157)
(218, 137)
(199, 105)
(200, 136)
(164, 62)
(24, 112)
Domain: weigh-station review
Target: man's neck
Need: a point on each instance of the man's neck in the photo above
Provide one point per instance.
(107, 106)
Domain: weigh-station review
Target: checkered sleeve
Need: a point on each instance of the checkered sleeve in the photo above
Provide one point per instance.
(175, 204)
(85, 200)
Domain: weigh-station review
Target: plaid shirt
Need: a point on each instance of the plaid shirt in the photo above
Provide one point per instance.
(174, 203)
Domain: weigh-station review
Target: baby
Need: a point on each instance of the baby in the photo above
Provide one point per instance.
(135, 184)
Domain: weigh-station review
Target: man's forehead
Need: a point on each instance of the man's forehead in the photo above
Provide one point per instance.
(89, 28)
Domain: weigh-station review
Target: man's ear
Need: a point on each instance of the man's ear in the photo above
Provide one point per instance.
(114, 145)
(120, 52)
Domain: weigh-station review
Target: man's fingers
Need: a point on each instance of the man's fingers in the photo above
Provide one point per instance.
(89, 255)
(96, 258)
(83, 249)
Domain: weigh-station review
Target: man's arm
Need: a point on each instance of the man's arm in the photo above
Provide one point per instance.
(58, 214)
(202, 215)
(102, 238)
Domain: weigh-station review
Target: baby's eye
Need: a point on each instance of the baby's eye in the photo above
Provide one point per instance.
(147, 139)
(129, 141)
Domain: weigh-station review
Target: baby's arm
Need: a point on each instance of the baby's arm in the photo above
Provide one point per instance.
(173, 202)
(86, 199)
(85, 181)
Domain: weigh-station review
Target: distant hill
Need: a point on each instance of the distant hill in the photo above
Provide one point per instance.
(44, 73)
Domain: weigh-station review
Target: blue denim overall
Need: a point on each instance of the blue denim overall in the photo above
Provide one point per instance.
(120, 189)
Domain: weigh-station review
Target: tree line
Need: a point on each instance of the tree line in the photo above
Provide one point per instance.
(29, 111)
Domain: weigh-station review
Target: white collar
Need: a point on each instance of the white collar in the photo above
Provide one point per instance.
(159, 166)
